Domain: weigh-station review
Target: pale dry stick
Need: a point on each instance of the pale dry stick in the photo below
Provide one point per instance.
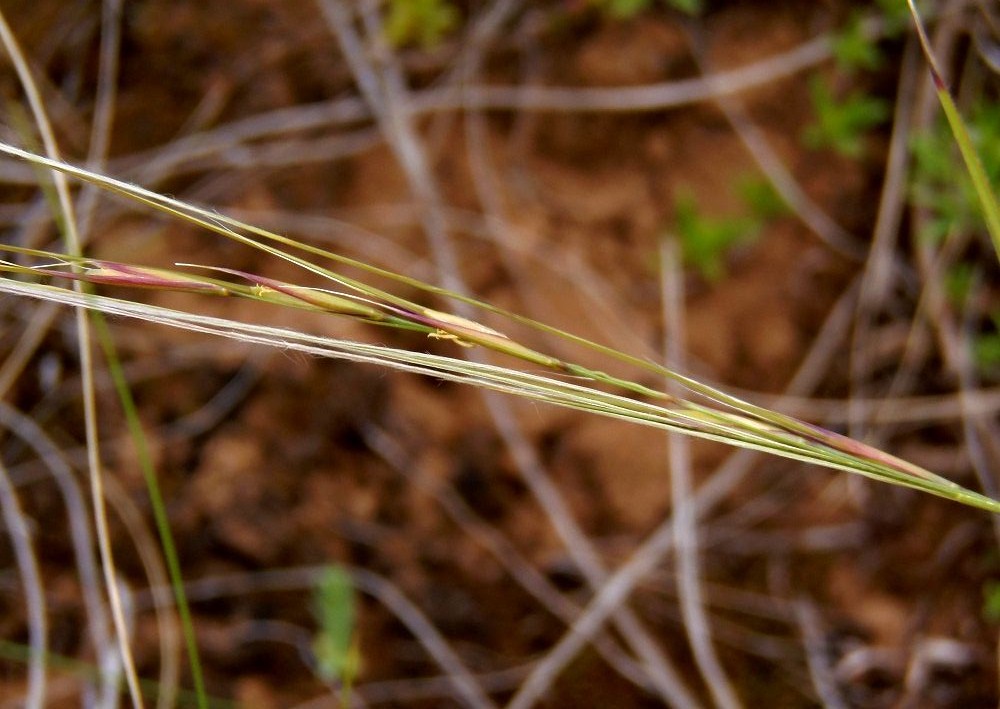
(388, 99)
(100, 141)
(291, 152)
(491, 539)
(27, 344)
(378, 587)
(398, 692)
(57, 462)
(76, 513)
(821, 538)
(149, 552)
(664, 678)
(643, 560)
(86, 357)
(31, 580)
(757, 144)
(879, 274)
(104, 109)
(486, 184)
(684, 515)
(807, 618)
(150, 167)
(925, 107)
(222, 403)
(978, 430)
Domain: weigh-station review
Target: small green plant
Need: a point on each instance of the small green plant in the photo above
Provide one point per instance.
(422, 22)
(704, 239)
(760, 197)
(625, 9)
(842, 124)
(335, 646)
(986, 347)
(940, 183)
(991, 601)
(853, 49)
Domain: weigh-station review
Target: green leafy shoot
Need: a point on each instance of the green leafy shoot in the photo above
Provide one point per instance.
(973, 163)
(335, 646)
(705, 240)
(421, 22)
(760, 197)
(991, 601)
(690, 7)
(854, 50)
(941, 185)
(986, 346)
(959, 281)
(895, 14)
(842, 124)
(627, 9)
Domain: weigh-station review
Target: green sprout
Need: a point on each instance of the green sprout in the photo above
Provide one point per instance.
(986, 346)
(704, 239)
(991, 601)
(626, 9)
(841, 125)
(760, 197)
(423, 22)
(335, 646)
(854, 50)
(941, 185)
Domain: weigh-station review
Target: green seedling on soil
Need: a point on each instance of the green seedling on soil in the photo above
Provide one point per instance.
(760, 197)
(335, 646)
(708, 413)
(895, 14)
(705, 240)
(853, 49)
(841, 124)
(421, 22)
(986, 346)
(625, 9)
(991, 601)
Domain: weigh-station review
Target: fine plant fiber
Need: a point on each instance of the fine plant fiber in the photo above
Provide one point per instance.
(727, 418)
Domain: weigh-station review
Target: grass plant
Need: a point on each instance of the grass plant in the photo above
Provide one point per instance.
(726, 418)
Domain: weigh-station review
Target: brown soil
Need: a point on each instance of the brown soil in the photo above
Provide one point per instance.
(284, 473)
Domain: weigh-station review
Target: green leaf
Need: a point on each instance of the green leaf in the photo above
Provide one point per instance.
(760, 197)
(334, 646)
(854, 50)
(690, 7)
(705, 240)
(986, 347)
(991, 601)
(842, 124)
(423, 22)
(942, 186)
